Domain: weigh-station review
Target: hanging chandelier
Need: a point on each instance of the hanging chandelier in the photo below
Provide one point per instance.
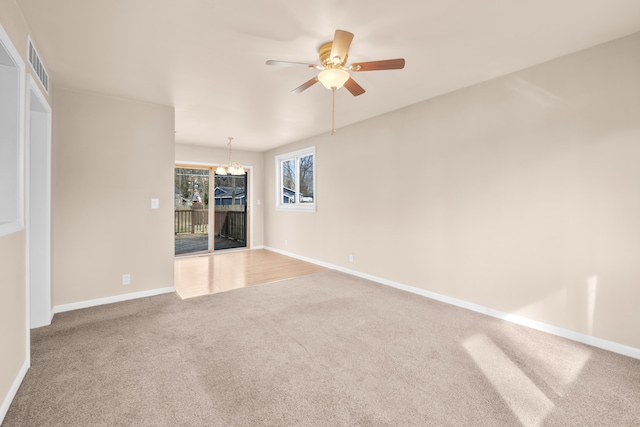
(230, 168)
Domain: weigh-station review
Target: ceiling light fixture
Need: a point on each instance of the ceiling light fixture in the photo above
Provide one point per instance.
(231, 168)
(333, 78)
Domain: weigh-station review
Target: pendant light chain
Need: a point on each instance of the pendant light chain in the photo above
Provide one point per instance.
(333, 111)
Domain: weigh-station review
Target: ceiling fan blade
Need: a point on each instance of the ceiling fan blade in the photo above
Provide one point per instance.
(388, 64)
(294, 64)
(305, 85)
(353, 87)
(340, 47)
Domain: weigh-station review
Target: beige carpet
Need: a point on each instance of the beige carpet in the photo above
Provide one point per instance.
(319, 350)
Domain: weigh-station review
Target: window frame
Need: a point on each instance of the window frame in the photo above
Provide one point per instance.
(297, 206)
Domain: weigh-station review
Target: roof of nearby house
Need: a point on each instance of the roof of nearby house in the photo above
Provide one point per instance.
(227, 192)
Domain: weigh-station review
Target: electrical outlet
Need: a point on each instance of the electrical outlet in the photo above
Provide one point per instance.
(286, 242)
(126, 279)
(350, 257)
(155, 203)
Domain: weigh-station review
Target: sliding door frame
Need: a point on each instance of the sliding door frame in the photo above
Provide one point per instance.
(212, 169)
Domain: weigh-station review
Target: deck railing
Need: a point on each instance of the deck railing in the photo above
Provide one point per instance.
(191, 221)
(228, 224)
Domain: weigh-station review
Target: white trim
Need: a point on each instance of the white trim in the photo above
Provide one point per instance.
(251, 195)
(109, 300)
(44, 314)
(513, 318)
(17, 224)
(13, 390)
(10, 227)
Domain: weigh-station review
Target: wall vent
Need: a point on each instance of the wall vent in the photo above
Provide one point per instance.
(36, 64)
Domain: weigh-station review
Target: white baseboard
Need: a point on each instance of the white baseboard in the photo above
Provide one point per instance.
(514, 318)
(314, 261)
(108, 300)
(68, 307)
(13, 390)
(49, 319)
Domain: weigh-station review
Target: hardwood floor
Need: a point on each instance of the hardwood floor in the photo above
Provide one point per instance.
(209, 274)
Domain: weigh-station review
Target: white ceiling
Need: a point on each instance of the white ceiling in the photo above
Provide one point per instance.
(207, 57)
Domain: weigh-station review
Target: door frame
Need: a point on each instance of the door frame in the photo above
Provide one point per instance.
(38, 206)
(212, 167)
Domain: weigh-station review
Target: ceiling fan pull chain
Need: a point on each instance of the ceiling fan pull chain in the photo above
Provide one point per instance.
(333, 111)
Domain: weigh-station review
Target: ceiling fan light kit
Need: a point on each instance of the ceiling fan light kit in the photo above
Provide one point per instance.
(333, 78)
(334, 73)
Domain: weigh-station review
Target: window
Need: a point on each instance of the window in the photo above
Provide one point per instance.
(296, 181)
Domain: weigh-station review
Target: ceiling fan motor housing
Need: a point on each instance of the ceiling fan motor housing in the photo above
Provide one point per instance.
(324, 52)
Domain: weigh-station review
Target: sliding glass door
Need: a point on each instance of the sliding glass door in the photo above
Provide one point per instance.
(230, 220)
(199, 228)
(191, 220)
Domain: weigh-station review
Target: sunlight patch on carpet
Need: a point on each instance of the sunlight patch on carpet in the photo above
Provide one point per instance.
(523, 397)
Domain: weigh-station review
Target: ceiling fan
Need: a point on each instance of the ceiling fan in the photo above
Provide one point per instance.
(334, 72)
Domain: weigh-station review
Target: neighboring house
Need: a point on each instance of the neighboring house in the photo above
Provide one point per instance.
(196, 198)
(224, 196)
(289, 196)
(179, 200)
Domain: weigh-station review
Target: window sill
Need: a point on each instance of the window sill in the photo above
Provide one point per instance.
(7, 228)
(298, 208)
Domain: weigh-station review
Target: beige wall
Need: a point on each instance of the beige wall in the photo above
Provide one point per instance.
(521, 194)
(110, 158)
(215, 156)
(13, 304)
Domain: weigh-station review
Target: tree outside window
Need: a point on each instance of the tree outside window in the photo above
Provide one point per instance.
(306, 179)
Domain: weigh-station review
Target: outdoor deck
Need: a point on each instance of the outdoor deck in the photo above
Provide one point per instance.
(197, 242)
